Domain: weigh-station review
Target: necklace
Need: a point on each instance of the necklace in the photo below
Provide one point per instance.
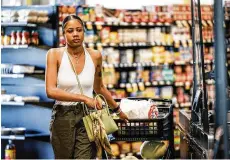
(77, 57)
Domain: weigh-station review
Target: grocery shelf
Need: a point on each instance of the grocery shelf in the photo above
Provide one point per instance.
(25, 24)
(13, 103)
(13, 137)
(146, 84)
(142, 64)
(25, 46)
(18, 24)
(21, 75)
(150, 64)
(123, 24)
(182, 84)
(12, 75)
(15, 46)
(131, 44)
(23, 137)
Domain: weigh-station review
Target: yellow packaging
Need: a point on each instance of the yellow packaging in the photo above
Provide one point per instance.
(10, 154)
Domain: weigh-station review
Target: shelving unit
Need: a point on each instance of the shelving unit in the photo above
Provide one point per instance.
(24, 137)
(18, 24)
(34, 116)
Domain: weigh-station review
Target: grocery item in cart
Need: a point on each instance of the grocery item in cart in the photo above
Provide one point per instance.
(153, 112)
(139, 109)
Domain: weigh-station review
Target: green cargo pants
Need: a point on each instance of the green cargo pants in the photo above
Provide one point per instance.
(68, 135)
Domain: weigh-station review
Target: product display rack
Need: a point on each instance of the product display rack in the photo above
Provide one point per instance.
(33, 116)
(16, 53)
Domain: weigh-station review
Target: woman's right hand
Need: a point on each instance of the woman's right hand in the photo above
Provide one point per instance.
(91, 103)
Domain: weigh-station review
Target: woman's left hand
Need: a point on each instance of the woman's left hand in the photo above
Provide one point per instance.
(123, 116)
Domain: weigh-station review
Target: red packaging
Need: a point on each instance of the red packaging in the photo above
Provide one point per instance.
(127, 17)
(136, 17)
(144, 16)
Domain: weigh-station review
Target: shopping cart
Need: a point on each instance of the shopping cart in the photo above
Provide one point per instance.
(160, 128)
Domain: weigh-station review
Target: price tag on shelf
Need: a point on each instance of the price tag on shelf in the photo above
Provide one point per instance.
(179, 84)
(110, 86)
(122, 85)
(168, 83)
(115, 23)
(159, 24)
(104, 44)
(109, 23)
(162, 83)
(134, 23)
(187, 83)
(112, 44)
(167, 24)
(121, 44)
(115, 65)
(125, 44)
(12, 137)
(143, 24)
(134, 44)
(147, 84)
(150, 23)
(155, 83)
(124, 24)
(91, 44)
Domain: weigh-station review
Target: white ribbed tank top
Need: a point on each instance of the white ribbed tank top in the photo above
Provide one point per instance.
(66, 79)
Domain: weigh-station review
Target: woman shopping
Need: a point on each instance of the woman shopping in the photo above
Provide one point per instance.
(68, 134)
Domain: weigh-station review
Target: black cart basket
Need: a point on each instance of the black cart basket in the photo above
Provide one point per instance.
(160, 128)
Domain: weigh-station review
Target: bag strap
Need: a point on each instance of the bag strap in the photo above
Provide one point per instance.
(106, 104)
(85, 109)
(78, 81)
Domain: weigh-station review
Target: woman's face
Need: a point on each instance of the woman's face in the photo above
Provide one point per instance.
(74, 33)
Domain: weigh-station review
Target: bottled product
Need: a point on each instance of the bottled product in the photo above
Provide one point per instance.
(6, 40)
(18, 38)
(25, 37)
(35, 39)
(10, 151)
(13, 38)
(2, 37)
